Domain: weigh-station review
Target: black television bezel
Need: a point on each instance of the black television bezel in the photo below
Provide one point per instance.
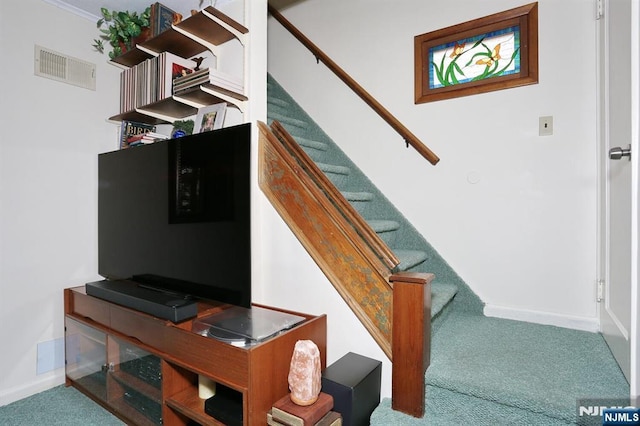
(240, 292)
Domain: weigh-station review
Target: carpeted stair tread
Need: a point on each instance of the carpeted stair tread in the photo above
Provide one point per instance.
(332, 168)
(287, 121)
(309, 143)
(277, 102)
(358, 196)
(441, 295)
(538, 368)
(381, 225)
(409, 258)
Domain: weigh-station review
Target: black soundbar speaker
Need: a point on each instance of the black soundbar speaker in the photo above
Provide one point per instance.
(161, 304)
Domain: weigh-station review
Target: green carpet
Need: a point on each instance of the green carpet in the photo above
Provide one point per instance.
(538, 368)
(484, 371)
(490, 371)
(64, 406)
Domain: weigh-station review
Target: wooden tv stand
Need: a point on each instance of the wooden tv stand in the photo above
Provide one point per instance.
(145, 369)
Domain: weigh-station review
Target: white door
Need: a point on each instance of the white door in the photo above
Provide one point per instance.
(619, 108)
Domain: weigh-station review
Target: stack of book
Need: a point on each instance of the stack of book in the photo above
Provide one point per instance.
(145, 138)
(286, 413)
(129, 129)
(185, 83)
(150, 81)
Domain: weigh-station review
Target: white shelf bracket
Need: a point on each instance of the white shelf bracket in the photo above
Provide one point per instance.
(242, 38)
(241, 105)
(211, 47)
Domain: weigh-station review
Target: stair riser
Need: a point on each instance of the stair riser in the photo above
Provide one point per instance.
(363, 207)
(388, 237)
(338, 179)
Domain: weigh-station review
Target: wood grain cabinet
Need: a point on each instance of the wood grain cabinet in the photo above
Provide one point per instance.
(145, 370)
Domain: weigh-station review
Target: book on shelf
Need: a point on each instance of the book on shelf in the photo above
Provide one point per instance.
(133, 128)
(332, 418)
(162, 18)
(145, 138)
(151, 80)
(182, 84)
(289, 413)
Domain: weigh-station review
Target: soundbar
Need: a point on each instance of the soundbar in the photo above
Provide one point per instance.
(166, 305)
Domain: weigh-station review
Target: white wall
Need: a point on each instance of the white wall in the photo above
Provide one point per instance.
(48, 179)
(524, 236)
(52, 133)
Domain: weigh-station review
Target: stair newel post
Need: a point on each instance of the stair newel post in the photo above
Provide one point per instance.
(411, 341)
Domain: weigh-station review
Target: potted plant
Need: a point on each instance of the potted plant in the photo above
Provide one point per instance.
(122, 30)
(182, 128)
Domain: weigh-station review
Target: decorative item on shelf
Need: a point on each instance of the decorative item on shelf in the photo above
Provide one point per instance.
(182, 128)
(198, 62)
(133, 128)
(206, 387)
(162, 18)
(123, 30)
(304, 373)
(210, 118)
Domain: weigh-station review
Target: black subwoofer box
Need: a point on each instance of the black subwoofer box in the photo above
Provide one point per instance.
(354, 383)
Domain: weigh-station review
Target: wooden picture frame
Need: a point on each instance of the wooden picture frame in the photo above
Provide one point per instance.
(495, 52)
(210, 118)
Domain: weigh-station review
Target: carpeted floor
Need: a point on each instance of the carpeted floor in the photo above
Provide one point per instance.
(63, 406)
(490, 371)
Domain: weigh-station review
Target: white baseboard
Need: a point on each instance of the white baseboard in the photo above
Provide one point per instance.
(7, 396)
(547, 318)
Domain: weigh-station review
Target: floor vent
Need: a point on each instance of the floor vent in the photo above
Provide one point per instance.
(64, 68)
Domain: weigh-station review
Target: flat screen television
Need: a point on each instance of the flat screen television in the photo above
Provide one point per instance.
(174, 221)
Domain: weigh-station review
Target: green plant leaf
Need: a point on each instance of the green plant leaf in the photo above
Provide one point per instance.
(438, 73)
(477, 43)
(458, 69)
(105, 13)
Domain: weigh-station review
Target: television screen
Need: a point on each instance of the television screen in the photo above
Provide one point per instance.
(175, 215)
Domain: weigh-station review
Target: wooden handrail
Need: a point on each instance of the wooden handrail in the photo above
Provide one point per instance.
(359, 224)
(409, 137)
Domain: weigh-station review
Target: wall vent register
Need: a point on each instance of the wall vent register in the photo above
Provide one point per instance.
(64, 68)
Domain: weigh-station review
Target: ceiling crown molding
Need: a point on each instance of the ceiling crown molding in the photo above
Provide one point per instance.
(73, 9)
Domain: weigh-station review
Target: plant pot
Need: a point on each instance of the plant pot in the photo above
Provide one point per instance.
(145, 34)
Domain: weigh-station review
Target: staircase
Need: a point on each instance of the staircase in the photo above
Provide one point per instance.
(483, 370)
(414, 253)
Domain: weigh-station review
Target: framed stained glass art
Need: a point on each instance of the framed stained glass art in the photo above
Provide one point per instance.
(495, 52)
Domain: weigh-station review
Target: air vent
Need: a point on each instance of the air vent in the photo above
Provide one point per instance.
(60, 67)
